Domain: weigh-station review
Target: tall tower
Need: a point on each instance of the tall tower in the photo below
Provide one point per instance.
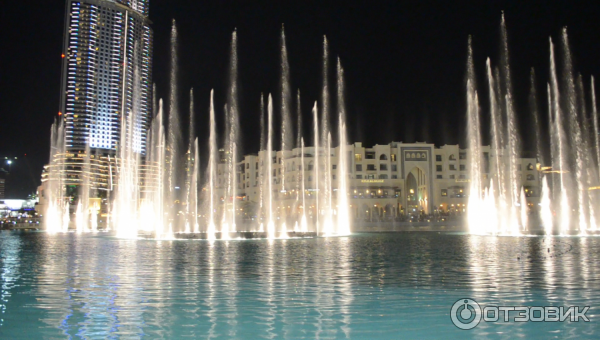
(107, 73)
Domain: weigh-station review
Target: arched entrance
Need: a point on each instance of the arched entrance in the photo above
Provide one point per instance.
(416, 192)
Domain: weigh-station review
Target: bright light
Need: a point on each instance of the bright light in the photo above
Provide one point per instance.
(9, 162)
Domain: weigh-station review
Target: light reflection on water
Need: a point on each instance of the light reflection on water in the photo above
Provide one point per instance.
(363, 287)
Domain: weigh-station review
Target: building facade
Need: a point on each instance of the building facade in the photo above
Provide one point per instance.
(384, 181)
(107, 72)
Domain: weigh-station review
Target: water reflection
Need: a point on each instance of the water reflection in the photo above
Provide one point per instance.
(400, 285)
(10, 263)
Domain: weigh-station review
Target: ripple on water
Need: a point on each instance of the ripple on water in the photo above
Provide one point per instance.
(367, 286)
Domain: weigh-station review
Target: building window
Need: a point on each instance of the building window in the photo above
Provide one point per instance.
(452, 167)
(334, 166)
(452, 158)
(462, 177)
(382, 166)
(383, 157)
(394, 176)
(247, 165)
(393, 157)
(371, 167)
(452, 177)
(370, 155)
(529, 166)
(530, 177)
(358, 176)
(370, 177)
(438, 168)
(439, 177)
(444, 192)
(358, 167)
(394, 167)
(462, 155)
(256, 167)
(383, 176)
(310, 178)
(333, 177)
(438, 158)
(463, 167)
(358, 157)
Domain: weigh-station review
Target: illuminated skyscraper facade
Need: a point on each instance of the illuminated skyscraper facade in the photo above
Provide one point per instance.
(107, 73)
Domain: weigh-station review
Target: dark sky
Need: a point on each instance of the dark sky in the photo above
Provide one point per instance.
(404, 62)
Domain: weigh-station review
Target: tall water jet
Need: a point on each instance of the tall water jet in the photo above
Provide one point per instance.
(559, 160)
(173, 136)
(343, 213)
(497, 147)
(286, 124)
(82, 213)
(588, 167)
(327, 188)
(286, 99)
(545, 208)
(229, 170)
(234, 192)
(261, 174)
(269, 160)
(193, 201)
(316, 185)
(513, 147)
(574, 132)
(595, 123)
(156, 168)
(524, 210)
(299, 120)
(325, 178)
(232, 140)
(190, 160)
(127, 201)
(299, 177)
(475, 218)
(303, 221)
(596, 162)
(56, 216)
(212, 170)
(325, 94)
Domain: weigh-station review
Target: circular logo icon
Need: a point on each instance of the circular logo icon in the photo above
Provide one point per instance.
(465, 314)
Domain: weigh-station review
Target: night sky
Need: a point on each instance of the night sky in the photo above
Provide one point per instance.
(404, 63)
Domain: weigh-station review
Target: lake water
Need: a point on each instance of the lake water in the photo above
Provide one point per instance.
(366, 286)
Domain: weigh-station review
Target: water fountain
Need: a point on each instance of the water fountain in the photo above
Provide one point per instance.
(303, 190)
(567, 204)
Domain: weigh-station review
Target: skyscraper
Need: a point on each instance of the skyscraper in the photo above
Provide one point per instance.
(107, 73)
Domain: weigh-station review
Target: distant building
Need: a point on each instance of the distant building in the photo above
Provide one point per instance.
(106, 76)
(107, 72)
(3, 178)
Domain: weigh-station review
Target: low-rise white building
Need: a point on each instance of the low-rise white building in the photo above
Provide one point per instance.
(384, 181)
